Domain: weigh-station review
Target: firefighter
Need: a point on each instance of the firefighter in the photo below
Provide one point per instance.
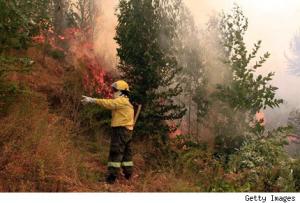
(120, 154)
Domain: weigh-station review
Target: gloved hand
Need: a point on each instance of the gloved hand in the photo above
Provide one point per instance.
(86, 100)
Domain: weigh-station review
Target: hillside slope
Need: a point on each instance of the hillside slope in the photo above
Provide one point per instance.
(44, 150)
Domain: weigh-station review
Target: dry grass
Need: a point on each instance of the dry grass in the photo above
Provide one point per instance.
(40, 153)
(44, 151)
(36, 148)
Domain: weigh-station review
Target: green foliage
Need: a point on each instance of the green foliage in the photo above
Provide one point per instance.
(230, 132)
(56, 54)
(263, 152)
(265, 162)
(146, 33)
(198, 165)
(193, 160)
(246, 91)
(259, 165)
(93, 118)
(294, 120)
(296, 174)
(9, 90)
(9, 64)
(20, 20)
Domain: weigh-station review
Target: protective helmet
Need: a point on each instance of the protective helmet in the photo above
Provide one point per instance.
(121, 85)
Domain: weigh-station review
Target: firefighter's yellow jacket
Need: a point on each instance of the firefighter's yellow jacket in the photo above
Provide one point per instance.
(122, 111)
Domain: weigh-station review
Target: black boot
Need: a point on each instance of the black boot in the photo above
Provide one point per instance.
(111, 179)
(127, 176)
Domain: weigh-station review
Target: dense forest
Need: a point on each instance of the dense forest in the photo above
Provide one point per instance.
(200, 88)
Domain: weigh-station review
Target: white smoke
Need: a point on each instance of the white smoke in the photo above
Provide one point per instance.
(275, 22)
(104, 42)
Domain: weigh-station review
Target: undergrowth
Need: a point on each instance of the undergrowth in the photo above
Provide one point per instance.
(36, 147)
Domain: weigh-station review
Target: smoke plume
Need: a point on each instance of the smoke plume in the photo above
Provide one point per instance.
(104, 43)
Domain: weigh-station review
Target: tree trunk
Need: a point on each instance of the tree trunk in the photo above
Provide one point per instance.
(197, 123)
(190, 105)
(59, 16)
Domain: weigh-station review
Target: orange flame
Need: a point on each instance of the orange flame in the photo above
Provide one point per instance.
(95, 79)
(260, 117)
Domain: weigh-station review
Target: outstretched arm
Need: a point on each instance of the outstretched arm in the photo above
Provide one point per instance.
(106, 103)
(86, 100)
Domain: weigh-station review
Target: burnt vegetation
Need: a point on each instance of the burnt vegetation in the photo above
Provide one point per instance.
(193, 134)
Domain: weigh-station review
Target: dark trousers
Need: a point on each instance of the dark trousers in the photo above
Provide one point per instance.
(120, 154)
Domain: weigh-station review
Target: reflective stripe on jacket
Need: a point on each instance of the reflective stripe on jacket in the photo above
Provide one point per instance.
(122, 111)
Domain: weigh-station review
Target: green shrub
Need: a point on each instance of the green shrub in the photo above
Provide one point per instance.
(296, 174)
(57, 54)
(93, 118)
(90, 119)
(265, 164)
(9, 90)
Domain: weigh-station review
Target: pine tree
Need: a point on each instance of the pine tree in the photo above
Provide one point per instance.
(146, 34)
